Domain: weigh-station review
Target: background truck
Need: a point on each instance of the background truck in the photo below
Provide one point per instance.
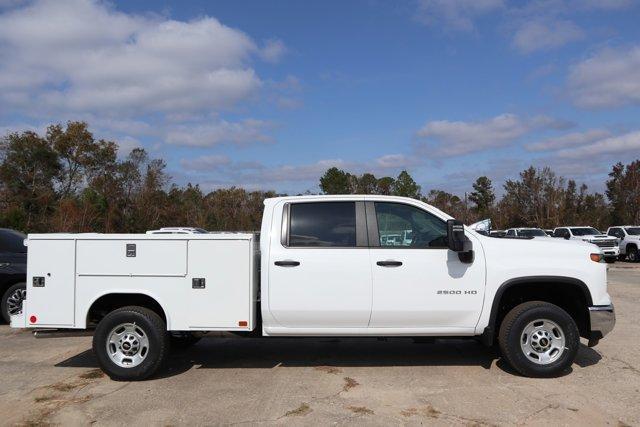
(628, 237)
(526, 232)
(321, 266)
(607, 244)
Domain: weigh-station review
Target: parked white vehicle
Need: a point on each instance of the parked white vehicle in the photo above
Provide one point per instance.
(527, 232)
(628, 241)
(178, 230)
(607, 244)
(323, 266)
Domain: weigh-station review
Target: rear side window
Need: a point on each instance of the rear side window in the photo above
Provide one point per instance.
(12, 241)
(325, 224)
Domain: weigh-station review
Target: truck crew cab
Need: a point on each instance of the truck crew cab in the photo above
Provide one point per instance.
(321, 266)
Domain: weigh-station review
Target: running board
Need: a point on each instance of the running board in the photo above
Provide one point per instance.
(61, 333)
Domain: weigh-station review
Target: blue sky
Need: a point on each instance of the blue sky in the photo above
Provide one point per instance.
(268, 95)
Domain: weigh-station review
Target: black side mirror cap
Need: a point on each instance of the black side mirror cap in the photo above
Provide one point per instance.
(458, 242)
(455, 235)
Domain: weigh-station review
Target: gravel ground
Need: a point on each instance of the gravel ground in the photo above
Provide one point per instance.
(328, 381)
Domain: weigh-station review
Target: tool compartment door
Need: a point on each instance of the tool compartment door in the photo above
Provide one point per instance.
(51, 283)
(225, 298)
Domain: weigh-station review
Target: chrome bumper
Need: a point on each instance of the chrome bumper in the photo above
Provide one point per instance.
(603, 319)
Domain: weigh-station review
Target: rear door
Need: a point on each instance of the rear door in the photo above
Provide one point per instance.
(319, 270)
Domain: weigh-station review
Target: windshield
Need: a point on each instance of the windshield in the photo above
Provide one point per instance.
(584, 231)
(634, 231)
(532, 232)
(12, 241)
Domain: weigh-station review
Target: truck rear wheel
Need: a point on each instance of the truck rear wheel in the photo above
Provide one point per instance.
(539, 339)
(632, 254)
(131, 343)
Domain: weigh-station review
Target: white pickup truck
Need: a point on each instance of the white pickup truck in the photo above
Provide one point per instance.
(608, 244)
(628, 241)
(321, 266)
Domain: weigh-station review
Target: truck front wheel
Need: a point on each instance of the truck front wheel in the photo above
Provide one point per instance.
(539, 339)
(131, 343)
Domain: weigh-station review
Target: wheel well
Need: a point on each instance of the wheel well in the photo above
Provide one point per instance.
(107, 303)
(572, 297)
(629, 246)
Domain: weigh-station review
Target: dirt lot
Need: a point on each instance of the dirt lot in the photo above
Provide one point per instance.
(364, 381)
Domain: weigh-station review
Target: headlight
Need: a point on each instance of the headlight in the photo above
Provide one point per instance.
(597, 257)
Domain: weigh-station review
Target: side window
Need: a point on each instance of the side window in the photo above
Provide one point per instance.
(615, 232)
(323, 224)
(511, 232)
(407, 226)
(561, 232)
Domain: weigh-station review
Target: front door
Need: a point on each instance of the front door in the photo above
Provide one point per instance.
(417, 281)
(319, 272)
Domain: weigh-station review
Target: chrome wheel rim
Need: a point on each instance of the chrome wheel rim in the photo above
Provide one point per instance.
(15, 301)
(127, 345)
(542, 341)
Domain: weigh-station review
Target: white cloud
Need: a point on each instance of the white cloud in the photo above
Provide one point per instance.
(455, 15)
(628, 143)
(545, 34)
(83, 55)
(219, 132)
(449, 138)
(609, 78)
(273, 50)
(219, 170)
(205, 163)
(569, 140)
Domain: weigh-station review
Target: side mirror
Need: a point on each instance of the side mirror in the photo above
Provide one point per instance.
(455, 235)
(458, 242)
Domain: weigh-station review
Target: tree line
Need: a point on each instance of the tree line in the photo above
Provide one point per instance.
(67, 181)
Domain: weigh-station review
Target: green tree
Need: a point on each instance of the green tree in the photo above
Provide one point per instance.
(405, 186)
(335, 181)
(385, 185)
(367, 184)
(483, 197)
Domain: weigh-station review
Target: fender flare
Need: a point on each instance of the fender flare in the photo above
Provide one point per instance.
(489, 332)
(126, 292)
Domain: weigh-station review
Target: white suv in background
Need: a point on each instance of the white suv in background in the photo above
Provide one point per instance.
(629, 241)
(607, 244)
(526, 232)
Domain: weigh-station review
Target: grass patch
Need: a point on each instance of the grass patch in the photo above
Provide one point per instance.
(300, 411)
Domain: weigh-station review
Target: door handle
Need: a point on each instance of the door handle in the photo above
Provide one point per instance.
(287, 263)
(389, 263)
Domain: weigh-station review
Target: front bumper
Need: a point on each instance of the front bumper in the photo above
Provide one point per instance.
(610, 252)
(602, 319)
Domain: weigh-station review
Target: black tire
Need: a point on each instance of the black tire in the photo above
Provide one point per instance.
(513, 326)
(10, 293)
(183, 340)
(632, 254)
(152, 327)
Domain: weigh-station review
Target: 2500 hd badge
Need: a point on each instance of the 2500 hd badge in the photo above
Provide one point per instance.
(457, 292)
